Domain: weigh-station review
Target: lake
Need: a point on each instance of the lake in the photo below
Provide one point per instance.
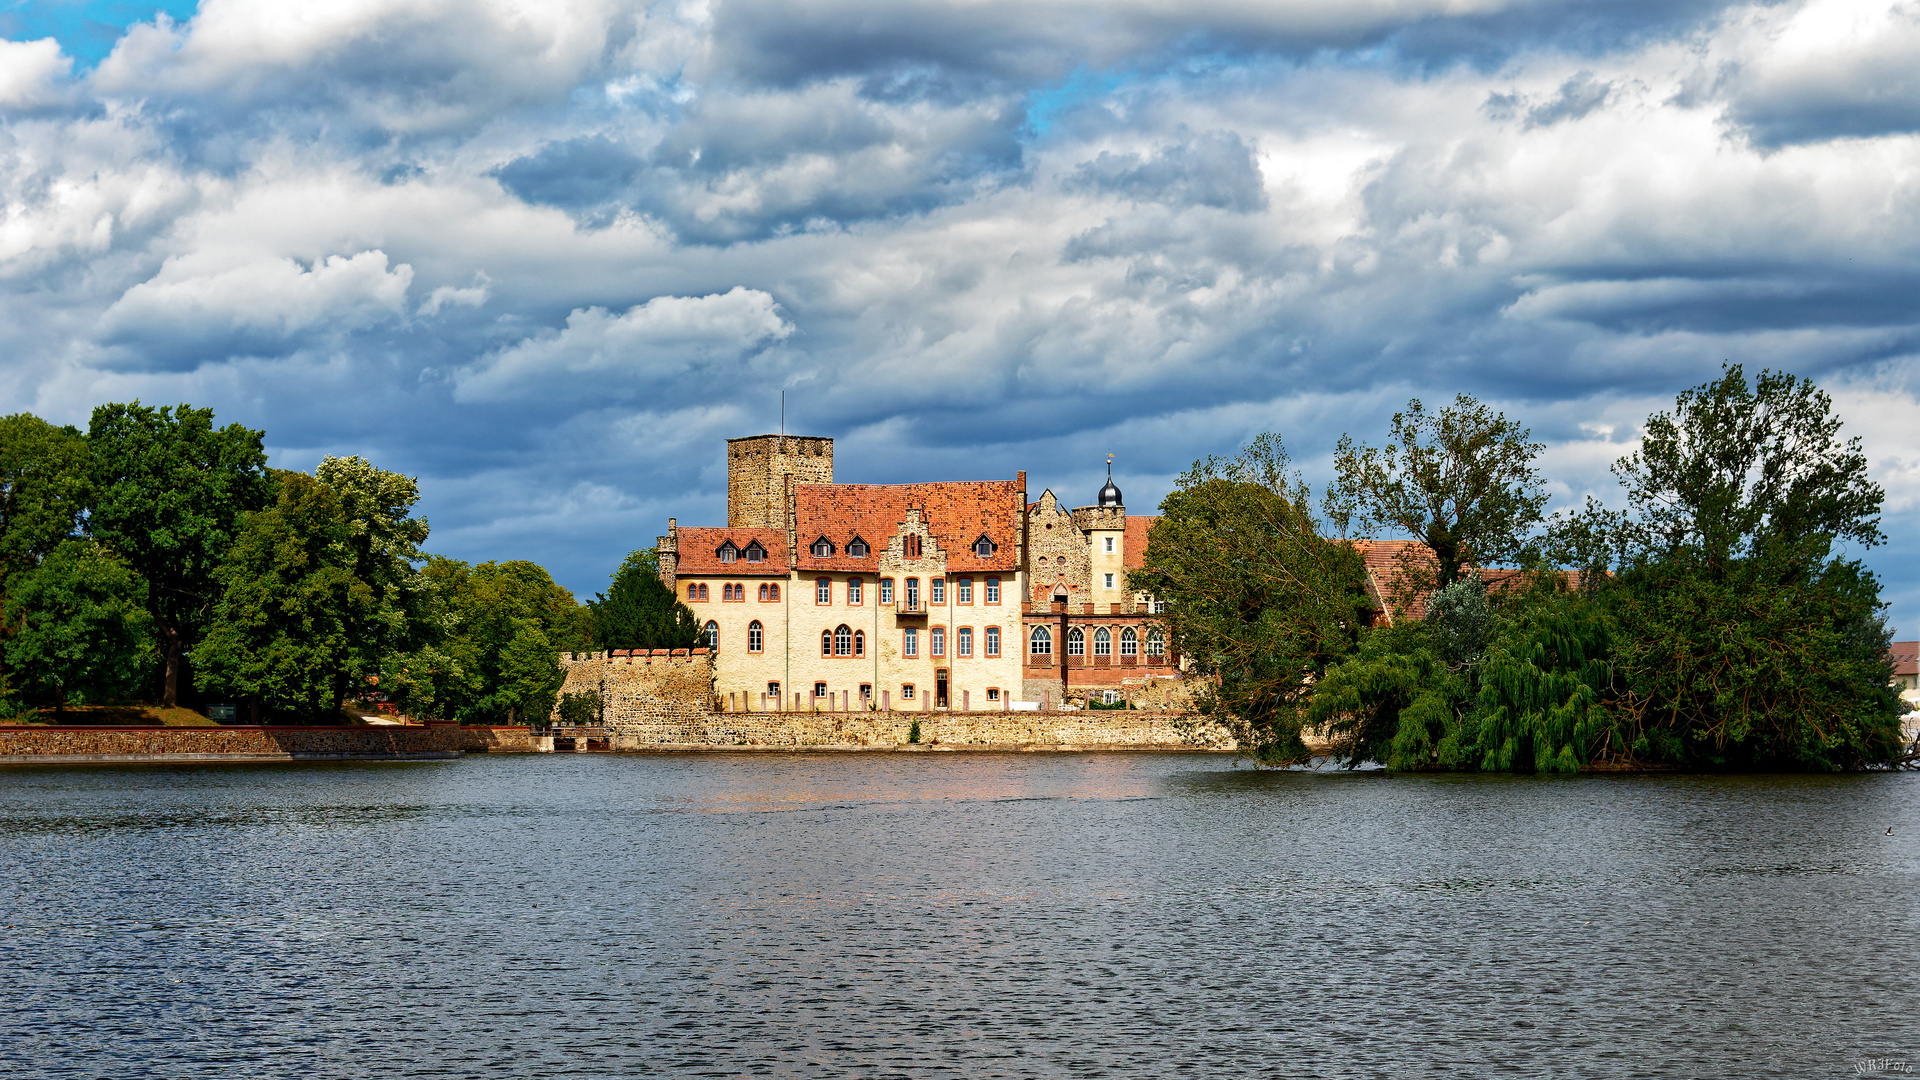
(950, 915)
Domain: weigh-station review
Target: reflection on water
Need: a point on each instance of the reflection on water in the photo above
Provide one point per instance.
(949, 915)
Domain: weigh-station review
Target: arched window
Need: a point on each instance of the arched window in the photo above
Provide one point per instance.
(693, 592)
(993, 641)
(1129, 642)
(912, 598)
(963, 641)
(910, 547)
(937, 641)
(858, 549)
(1156, 642)
(1076, 642)
(756, 636)
(983, 547)
(773, 593)
(1103, 642)
(843, 640)
(859, 643)
(1040, 642)
(826, 643)
(713, 634)
(763, 594)
(823, 548)
(756, 553)
(728, 553)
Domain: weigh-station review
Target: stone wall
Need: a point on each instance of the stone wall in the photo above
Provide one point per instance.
(1085, 730)
(638, 687)
(758, 468)
(56, 744)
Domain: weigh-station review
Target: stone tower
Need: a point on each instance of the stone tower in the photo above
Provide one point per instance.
(759, 468)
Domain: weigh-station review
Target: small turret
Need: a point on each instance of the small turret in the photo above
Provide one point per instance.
(1109, 495)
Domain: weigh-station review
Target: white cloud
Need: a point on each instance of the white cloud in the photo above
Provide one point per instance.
(665, 340)
(29, 73)
(256, 306)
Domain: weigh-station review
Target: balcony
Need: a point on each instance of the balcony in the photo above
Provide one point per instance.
(911, 607)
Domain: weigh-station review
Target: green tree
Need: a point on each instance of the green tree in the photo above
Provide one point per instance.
(1745, 639)
(282, 629)
(168, 492)
(498, 630)
(45, 475)
(78, 631)
(639, 612)
(382, 549)
(1461, 480)
(1258, 601)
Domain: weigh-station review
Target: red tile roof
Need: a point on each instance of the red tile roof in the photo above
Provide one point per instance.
(700, 552)
(1906, 657)
(1386, 558)
(957, 513)
(1136, 540)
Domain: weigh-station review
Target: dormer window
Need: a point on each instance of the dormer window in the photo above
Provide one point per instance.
(983, 547)
(756, 553)
(728, 552)
(858, 549)
(823, 548)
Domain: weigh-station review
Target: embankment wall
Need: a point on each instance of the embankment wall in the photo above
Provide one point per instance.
(76, 744)
(1098, 730)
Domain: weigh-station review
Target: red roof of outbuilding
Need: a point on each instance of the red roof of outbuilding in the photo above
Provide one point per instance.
(700, 552)
(1905, 656)
(1136, 540)
(957, 513)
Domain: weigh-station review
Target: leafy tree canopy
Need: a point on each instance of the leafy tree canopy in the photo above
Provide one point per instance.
(169, 489)
(640, 612)
(1461, 480)
(282, 630)
(1258, 601)
(45, 480)
(78, 631)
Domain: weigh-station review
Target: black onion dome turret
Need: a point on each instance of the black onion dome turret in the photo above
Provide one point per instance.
(1109, 495)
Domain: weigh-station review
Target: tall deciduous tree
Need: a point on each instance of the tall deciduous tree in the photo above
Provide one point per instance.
(382, 550)
(169, 490)
(1258, 601)
(640, 612)
(500, 628)
(1747, 639)
(283, 627)
(1461, 480)
(79, 631)
(45, 476)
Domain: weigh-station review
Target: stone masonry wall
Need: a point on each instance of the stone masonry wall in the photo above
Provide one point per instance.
(124, 743)
(1088, 730)
(638, 688)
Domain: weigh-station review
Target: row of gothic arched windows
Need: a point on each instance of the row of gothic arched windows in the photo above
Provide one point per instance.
(1040, 641)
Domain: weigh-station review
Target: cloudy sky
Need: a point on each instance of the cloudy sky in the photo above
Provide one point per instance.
(547, 256)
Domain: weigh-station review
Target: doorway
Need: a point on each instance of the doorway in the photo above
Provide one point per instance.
(940, 689)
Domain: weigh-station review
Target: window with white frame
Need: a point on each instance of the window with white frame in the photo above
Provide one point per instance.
(912, 592)
(983, 547)
(823, 590)
(1109, 581)
(886, 590)
(1109, 541)
(993, 590)
(937, 591)
(858, 549)
(823, 548)
(1040, 642)
(910, 641)
(1129, 642)
(756, 553)
(728, 553)
(843, 640)
(993, 693)
(756, 636)
(1076, 642)
(963, 590)
(937, 641)
(1103, 642)
(1156, 642)
(713, 634)
(963, 641)
(906, 691)
(993, 641)
(819, 689)
(853, 592)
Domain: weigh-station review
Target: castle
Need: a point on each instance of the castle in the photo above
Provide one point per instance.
(956, 595)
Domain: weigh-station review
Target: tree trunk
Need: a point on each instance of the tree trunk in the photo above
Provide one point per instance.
(170, 692)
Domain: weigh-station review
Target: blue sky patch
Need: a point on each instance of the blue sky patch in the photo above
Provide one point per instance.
(87, 30)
